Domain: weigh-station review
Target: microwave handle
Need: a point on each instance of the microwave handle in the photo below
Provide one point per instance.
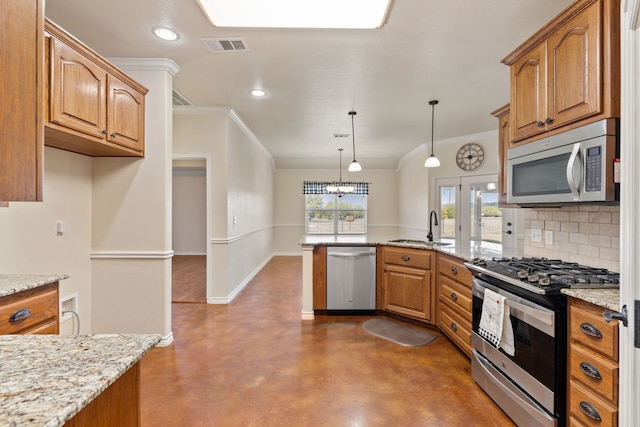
(574, 162)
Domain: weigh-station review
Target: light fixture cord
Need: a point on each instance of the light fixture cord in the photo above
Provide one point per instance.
(353, 135)
(340, 168)
(433, 107)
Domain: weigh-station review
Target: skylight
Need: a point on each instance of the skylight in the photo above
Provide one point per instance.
(298, 14)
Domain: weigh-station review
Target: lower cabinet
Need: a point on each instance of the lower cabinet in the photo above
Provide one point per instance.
(455, 301)
(592, 366)
(34, 311)
(407, 286)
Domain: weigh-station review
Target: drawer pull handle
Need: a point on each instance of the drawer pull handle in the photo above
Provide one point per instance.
(454, 270)
(589, 370)
(591, 412)
(21, 314)
(591, 330)
(454, 326)
(454, 296)
(406, 258)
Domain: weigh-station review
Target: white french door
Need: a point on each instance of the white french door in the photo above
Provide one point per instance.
(468, 209)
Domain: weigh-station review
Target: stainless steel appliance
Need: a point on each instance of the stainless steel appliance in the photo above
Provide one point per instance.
(530, 385)
(579, 165)
(351, 279)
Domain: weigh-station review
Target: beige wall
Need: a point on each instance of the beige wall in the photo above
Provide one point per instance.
(131, 227)
(289, 207)
(189, 207)
(240, 195)
(29, 244)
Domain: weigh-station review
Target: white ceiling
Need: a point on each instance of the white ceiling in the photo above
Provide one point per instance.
(429, 49)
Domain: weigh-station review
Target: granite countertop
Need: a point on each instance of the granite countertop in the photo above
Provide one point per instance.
(13, 283)
(606, 298)
(47, 379)
(463, 250)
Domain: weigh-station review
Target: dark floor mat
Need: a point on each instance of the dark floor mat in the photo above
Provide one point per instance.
(397, 332)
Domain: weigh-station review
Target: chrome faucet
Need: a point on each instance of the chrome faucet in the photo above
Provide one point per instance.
(432, 215)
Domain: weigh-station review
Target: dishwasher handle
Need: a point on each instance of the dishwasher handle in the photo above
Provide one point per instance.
(351, 254)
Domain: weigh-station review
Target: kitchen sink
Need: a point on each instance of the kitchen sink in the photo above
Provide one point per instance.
(418, 242)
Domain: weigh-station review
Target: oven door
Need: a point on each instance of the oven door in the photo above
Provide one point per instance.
(533, 367)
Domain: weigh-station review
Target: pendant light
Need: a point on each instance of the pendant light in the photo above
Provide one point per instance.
(432, 161)
(354, 166)
(340, 187)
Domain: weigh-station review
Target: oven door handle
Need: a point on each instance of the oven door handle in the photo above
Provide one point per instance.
(525, 313)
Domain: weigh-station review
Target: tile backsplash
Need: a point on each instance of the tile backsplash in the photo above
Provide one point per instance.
(588, 235)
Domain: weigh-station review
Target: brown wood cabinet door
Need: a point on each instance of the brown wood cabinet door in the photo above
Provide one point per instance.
(408, 291)
(77, 92)
(528, 94)
(504, 143)
(574, 71)
(125, 115)
(21, 117)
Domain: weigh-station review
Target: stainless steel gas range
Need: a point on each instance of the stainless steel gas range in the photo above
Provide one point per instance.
(526, 377)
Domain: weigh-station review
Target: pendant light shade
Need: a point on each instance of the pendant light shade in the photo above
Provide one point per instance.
(354, 166)
(432, 161)
(340, 187)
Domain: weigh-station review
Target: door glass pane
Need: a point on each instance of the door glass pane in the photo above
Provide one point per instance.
(448, 212)
(486, 216)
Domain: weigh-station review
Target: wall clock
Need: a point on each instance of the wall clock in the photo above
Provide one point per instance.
(470, 156)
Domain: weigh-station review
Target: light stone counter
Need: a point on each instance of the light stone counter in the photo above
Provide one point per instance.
(47, 379)
(606, 298)
(13, 283)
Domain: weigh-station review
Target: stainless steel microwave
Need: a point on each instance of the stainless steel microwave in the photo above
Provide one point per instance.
(579, 165)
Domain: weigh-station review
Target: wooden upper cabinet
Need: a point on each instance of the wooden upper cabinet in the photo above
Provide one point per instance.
(125, 115)
(21, 117)
(78, 91)
(568, 73)
(93, 108)
(504, 143)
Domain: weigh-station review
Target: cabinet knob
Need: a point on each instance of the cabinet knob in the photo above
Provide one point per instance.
(21, 314)
(454, 327)
(113, 135)
(406, 258)
(549, 120)
(454, 270)
(104, 131)
(540, 124)
(454, 296)
(591, 330)
(590, 411)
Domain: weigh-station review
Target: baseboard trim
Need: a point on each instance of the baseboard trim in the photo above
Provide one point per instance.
(241, 286)
(166, 340)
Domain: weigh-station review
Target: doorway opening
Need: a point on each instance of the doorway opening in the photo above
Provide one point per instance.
(190, 229)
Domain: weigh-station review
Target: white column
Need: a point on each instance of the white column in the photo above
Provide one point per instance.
(307, 282)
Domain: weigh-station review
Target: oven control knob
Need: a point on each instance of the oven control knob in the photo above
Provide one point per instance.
(533, 278)
(522, 275)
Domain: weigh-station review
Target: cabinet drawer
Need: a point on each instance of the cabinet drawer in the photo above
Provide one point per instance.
(589, 328)
(455, 269)
(582, 360)
(456, 297)
(408, 257)
(582, 401)
(456, 328)
(41, 302)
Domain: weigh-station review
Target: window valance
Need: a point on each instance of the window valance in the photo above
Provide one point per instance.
(320, 187)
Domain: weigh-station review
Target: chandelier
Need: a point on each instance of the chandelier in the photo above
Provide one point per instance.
(340, 187)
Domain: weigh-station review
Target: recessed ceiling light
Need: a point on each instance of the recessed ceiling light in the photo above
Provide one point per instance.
(297, 14)
(258, 92)
(165, 33)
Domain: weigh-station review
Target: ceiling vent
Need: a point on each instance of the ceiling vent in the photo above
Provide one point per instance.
(221, 45)
(340, 135)
(180, 100)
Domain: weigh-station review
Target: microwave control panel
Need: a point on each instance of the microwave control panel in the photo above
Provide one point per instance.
(593, 166)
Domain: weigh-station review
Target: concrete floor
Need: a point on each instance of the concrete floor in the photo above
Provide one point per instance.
(254, 362)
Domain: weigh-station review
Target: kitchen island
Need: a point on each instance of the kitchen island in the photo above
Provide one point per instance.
(463, 250)
(50, 380)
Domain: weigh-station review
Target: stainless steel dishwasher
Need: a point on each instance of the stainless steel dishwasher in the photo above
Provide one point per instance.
(351, 279)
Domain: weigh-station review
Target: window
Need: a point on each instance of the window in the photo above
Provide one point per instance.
(469, 209)
(331, 214)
